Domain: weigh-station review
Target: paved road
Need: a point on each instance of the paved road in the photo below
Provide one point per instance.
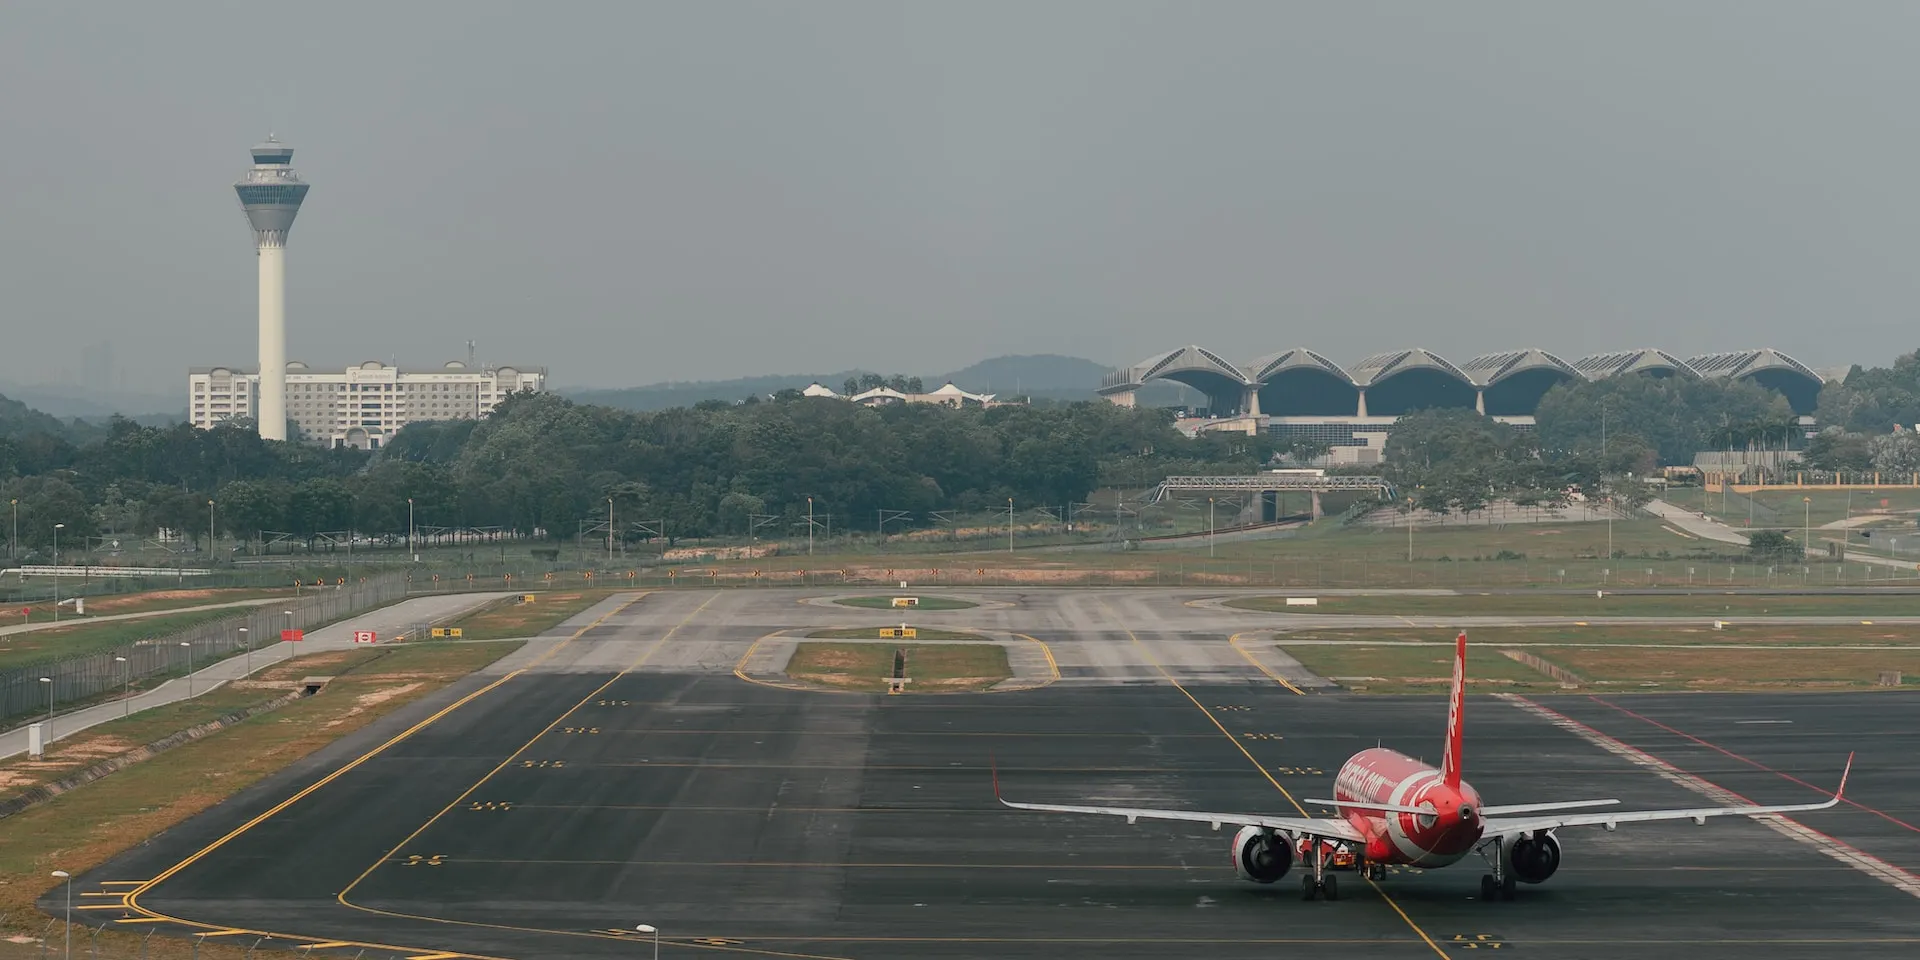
(72, 620)
(1695, 524)
(384, 621)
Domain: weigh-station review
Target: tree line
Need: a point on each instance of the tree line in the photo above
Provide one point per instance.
(540, 464)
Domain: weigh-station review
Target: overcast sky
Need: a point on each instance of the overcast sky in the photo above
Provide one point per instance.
(630, 192)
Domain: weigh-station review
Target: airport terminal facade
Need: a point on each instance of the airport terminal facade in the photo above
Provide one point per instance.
(1300, 394)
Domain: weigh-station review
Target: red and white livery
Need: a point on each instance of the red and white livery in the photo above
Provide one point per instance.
(1393, 809)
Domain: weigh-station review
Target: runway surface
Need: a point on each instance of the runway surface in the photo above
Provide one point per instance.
(624, 775)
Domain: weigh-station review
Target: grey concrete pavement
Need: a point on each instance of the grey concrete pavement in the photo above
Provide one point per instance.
(1695, 524)
(384, 621)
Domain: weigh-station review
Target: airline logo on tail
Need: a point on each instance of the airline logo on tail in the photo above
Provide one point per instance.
(1456, 721)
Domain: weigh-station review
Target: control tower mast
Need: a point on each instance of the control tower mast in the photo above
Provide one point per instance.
(271, 194)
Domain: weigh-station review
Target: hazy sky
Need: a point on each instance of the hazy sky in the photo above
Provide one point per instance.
(630, 192)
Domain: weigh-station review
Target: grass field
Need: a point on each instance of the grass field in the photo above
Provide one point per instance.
(85, 637)
(158, 600)
(1619, 658)
(1783, 508)
(1584, 605)
(510, 619)
(926, 603)
(83, 828)
(934, 668)
(1644, 669)
(118, 736)
(1759, 635)
(873, 633)
(1421, 669)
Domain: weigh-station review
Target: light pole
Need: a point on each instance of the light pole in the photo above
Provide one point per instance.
(189, 645)
(210, 530)
(1806, 525)
(609, 533)
(809, 526)
(650, 928)
(1409, 529)
(247, 639)
(49, 682)
(1009, 524)
(13, 536)
(409, 528)
(126, 682)
(68, 878)
(56, 573)
(289, 614)
(1210, 527)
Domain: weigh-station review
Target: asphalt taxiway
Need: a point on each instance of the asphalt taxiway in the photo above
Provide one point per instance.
(619, 774)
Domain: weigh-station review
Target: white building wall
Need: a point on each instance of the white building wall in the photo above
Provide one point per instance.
(362, 406)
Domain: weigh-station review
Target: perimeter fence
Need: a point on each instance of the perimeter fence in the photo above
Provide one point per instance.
(40, 687)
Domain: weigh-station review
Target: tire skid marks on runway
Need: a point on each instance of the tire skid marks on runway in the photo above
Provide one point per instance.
(1839, 850)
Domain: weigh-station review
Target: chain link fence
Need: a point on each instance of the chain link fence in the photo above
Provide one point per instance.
(41, 688)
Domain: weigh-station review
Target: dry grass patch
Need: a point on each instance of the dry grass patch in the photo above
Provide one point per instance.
(933, 667)
(1585, 605)
(1866, 634)
(82, 829)
(155, 600)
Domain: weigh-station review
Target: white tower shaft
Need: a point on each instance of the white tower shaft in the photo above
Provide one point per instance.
(271, 412)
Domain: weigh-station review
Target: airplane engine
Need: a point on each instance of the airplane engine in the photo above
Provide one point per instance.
(1532, 858)
(1261, 856)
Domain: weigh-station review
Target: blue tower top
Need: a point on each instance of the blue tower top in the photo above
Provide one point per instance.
(271, 193)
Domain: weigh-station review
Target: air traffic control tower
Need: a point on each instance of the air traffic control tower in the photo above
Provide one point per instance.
(271, 195)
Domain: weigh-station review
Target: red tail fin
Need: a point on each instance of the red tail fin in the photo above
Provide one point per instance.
(1456, 710)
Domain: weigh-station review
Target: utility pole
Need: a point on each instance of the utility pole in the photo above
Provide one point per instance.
(410, 522)
(609, 532)
(809, 526)
(1210, 527)
(209, 530)
(1009, 524)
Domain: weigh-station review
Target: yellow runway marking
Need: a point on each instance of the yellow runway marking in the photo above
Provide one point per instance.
(435, 956)
(143, 886)
(220, 933)
(1234, 642)
(515, 755)
(328, 945)
(1148, 653)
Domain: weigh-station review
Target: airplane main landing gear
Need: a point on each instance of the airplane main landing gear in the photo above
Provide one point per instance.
(1496, 885)
(1319, 881)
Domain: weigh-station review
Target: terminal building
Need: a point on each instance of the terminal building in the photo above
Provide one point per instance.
(362, 406)
(1300, 394)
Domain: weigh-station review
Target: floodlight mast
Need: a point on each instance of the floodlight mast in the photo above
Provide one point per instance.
(271, 195)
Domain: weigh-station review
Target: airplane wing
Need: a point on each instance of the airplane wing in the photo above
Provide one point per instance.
(1499, 825)
(1299, 826)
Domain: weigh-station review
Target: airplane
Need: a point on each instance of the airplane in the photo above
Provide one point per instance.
(1395, 810)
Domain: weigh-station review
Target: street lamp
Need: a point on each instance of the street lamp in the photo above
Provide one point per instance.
(1009, 524)
(1806, 525)
(49, 682)
(247, 639)
(56, 573)
(809, 526)
(189, 645)
(289, 614)
(209, 529)
(650, 928)
(1210, 527)
(68, 878)
(409, 528)
(1409, 529)
(13, 536)
(126, 680)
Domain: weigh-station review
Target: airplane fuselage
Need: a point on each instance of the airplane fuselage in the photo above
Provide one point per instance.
(1387, 776)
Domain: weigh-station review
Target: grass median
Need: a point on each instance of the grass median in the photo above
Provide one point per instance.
(513, 618)
(1586, 605)
(85, 827)
(932, 667)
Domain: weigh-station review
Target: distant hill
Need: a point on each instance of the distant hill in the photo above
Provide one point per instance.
(661, 396)
(66, 401)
